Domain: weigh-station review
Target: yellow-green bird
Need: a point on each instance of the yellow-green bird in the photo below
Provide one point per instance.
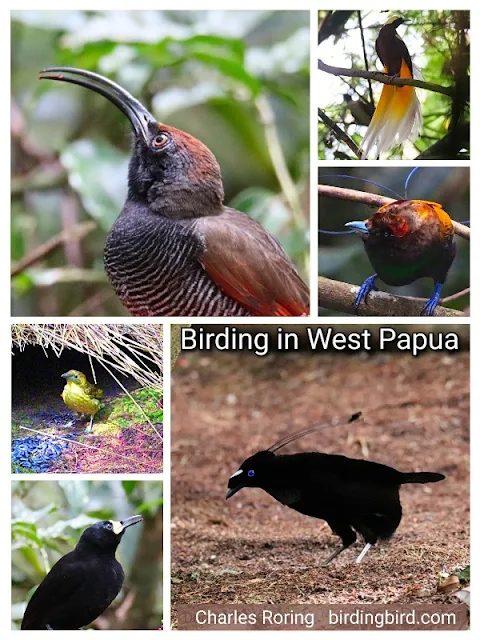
(80, 395)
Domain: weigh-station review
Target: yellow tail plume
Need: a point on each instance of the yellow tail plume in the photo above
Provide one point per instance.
(398, 116)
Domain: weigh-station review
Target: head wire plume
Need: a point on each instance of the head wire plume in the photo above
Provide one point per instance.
(306, 431)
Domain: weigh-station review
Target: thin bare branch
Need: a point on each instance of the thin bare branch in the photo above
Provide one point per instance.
(375, 200)
(77, 232)
(341, 135)
(378, 76)
(277, 156)
(455, 296)
(365, 57)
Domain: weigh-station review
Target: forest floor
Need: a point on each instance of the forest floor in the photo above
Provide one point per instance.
(122, 439)
(253, 550)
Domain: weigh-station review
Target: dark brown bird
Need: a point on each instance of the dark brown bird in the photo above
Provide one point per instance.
(398, 115)
(176, 249)
(407, 240)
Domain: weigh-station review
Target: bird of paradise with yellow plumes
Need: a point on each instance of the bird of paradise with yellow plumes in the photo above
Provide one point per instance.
(81, 396)
(398, 116)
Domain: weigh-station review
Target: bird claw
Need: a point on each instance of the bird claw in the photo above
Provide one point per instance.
(364, 290)
(69, 424)
(430, 306)
(393, 77)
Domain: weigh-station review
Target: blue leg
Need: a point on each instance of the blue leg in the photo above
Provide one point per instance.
(364, 290)
(430, 305)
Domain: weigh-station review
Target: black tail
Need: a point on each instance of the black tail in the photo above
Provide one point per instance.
(422, 477)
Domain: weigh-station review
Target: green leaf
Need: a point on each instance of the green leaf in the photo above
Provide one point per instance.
(97, 171)
(22, 283)
(234, 47)
(464, 574)
(89, 57)
(148, 507)
(33, 559)
(231, 69)
(129, 486)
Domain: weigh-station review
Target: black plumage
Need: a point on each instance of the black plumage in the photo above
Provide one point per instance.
(391, 49)
(352, 496)
(83, 583)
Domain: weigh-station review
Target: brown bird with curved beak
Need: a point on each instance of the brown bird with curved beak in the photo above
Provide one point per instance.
(176, 249)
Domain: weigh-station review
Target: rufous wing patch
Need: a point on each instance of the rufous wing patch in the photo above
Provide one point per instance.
(250, 266)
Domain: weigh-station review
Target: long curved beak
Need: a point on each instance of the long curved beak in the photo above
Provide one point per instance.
(358, 225)
(129, 521)
(139, 117)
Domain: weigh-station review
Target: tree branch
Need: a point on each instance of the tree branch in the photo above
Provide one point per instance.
(341, 135)
(375, 200)
(74, 233)
(41, 178)
(455, 296)
(340, 296)
(439, 150)
(378, 76)
(365, 57)
(272, 139)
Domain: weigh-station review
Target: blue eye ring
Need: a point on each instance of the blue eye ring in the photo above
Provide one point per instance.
(251, 473)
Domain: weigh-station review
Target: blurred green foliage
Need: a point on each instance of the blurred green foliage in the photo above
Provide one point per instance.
(206, 72)
(48, 519)
(343, 257)
(439, 44)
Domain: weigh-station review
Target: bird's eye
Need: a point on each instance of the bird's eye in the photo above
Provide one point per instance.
(160, 140)
(387, 233)
(109, 525)
(251, 473)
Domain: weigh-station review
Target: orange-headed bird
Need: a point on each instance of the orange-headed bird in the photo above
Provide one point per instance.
(407, 240)
(398, 116)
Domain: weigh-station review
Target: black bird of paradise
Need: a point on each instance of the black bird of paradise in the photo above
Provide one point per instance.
(352, 496)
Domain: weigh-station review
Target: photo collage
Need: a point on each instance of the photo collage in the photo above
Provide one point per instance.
(184, 456)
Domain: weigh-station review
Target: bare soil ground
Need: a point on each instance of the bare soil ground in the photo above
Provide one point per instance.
(252, 549)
